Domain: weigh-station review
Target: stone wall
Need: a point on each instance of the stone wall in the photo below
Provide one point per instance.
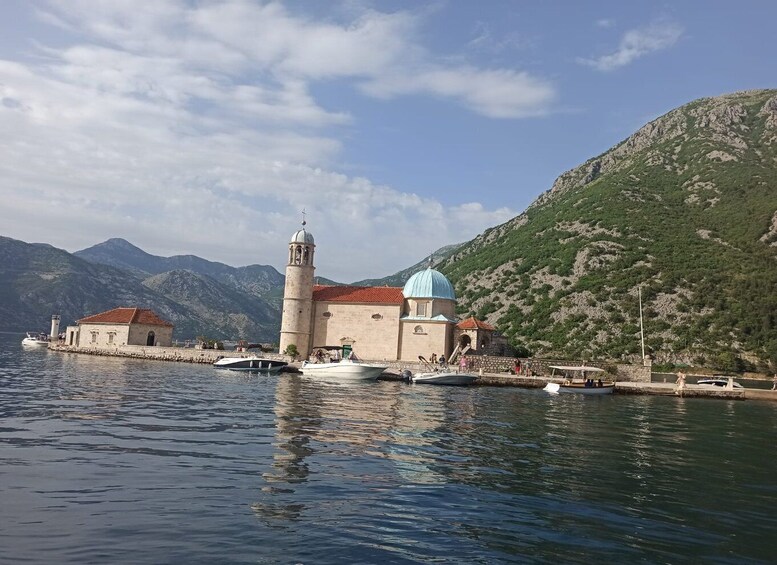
(180, 354)
(541, 367)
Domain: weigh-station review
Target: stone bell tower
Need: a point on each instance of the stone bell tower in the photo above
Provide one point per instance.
(297, 318)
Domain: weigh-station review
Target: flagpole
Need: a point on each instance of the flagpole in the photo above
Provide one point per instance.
(641, 327)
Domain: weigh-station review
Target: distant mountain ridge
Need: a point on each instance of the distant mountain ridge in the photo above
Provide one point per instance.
(254, 279)
(38, 280)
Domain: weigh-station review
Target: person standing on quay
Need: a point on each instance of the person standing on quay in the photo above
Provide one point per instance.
(774, 382)
(463, 364)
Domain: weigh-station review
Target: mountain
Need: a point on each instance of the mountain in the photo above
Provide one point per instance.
(229, 312)
(38, 280)
(400, 278)
(258, 280)
(685, 208)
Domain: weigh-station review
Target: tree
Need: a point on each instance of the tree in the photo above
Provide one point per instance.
(292, 351)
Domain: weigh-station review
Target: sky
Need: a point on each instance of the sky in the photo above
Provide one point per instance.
(207, 127)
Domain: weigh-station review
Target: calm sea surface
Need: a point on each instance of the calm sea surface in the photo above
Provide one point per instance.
(124, 461)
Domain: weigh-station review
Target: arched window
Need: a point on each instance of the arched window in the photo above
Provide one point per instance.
(304, 255)
(418, 330)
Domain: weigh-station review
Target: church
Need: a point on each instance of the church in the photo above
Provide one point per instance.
(377, 323)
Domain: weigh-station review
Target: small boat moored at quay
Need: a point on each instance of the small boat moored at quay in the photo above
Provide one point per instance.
(584, 385)
(442, 376)
(35, 339)
(346, 369)
(250, 364)
(350, 368)
(449, 378)
(720, 382)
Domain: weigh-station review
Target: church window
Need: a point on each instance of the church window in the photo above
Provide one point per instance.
(327, 314)
(377, 317)
(418, 330)
(298, 255)
(420, 309)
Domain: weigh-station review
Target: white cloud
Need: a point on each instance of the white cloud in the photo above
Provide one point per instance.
(192, 128)
(605, 23)
(637, 43)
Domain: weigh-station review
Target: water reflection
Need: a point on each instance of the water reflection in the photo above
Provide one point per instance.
(212, 465)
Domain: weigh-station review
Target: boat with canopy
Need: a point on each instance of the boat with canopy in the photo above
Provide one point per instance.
(580, 379)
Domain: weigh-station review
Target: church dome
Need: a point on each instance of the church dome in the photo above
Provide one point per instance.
(429, 284)
(302, 236)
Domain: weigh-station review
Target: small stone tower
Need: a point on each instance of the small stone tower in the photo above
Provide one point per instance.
(297, 318)
(54, 335)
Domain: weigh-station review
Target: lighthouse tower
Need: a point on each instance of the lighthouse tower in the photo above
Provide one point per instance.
(298, 294)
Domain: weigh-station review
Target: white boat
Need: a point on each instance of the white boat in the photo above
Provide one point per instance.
(347, 369)
(250, 364)
(444, 378)
(720, 382)
(583, 385)
(34, 339)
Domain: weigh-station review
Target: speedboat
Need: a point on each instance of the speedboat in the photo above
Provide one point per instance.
(444, 378)
(347, 369)
(250, 364)
(719, 381)
(34, 339)
(583, 385)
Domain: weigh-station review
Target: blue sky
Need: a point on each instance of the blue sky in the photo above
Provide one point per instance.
(205, 127)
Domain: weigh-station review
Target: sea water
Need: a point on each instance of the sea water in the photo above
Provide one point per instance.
(110, 460)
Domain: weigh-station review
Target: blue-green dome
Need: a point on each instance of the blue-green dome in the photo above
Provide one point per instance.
(429, 284)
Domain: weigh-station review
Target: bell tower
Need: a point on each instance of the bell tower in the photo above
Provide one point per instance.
(297, 318)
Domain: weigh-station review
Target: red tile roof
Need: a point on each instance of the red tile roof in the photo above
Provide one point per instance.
(360, 294)
(126, 316)
(473, 323)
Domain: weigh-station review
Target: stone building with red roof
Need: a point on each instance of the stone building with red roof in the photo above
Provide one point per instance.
(474, 333)
(121, 326)
(378, 323)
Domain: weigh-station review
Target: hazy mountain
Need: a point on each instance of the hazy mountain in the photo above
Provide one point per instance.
(38, 280)
(258, 280)
(401, 277)
(686, 207)
(229, 312)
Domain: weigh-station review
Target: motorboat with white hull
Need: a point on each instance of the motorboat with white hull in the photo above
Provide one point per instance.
(34, 339)
(719, 382)
(449, 378)
(346, 369)
(585, 384)
(250, 364)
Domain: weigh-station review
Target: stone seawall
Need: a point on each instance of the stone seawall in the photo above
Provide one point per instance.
(155, 353)
(541, 367)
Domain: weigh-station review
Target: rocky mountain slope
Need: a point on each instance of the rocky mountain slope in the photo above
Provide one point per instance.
(686, 208)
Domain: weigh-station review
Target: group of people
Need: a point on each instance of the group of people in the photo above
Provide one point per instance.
(464, 362)
(592, 383)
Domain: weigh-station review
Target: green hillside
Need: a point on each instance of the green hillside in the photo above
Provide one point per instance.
(686, 208)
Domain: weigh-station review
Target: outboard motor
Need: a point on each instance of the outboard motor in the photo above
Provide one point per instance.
(407, 375)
